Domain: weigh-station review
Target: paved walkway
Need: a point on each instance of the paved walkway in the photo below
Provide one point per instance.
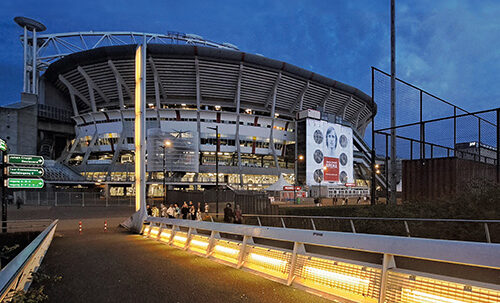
(117, 266)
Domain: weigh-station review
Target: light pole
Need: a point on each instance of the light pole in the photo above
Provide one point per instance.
(299, 158)
(166, 144)
(216, 128)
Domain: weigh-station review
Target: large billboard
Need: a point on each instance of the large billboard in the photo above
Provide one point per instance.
(329, 153)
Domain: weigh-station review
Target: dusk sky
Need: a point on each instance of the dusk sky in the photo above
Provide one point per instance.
(450, 48)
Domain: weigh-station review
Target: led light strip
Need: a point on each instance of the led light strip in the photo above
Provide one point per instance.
(199, 243)
(325, 274)
(267, 260)
(226, 250)
(180, 239)
(409, 295)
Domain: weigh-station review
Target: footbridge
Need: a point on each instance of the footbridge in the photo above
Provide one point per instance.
(178, 260)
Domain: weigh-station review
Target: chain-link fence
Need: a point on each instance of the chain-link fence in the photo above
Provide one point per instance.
(430, 128)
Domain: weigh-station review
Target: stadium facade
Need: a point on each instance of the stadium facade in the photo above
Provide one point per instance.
(82, 106)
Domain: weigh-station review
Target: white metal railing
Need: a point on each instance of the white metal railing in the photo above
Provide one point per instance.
(17, 274)
(349, 266)
(311, 222)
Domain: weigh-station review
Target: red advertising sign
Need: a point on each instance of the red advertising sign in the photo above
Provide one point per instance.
(350, 184)
(331, 169)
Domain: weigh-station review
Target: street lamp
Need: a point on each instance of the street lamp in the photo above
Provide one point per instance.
(299, 158)
(216, 128)
(166, 144)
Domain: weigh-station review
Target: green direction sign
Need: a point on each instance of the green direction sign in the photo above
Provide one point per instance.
(3, 145)
(25, 171)
(25, 159)
(24, 183)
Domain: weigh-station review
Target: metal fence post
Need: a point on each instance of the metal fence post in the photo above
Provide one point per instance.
(83, 201)
(387, 264)
(487, 232)
(313, 225)
(258, 219)
(298, 248)
(241, 254)
(211, 243)
(55, 198)
(498, 145)
(283, 222)
(407, 229)
(352, 226)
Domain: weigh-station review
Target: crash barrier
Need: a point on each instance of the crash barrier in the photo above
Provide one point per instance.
(347, 266)
(18, 272)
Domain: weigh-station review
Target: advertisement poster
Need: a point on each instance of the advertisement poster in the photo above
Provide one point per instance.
(329, 159)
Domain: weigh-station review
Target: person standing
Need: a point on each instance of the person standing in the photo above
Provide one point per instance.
(192, 212)
(148, 210)
(184, 210)
(228, 213)
(238, 215)
(198, 212)
(19, 202)
(171, 212)
(163, 210)
(177, 211)
(155, 211)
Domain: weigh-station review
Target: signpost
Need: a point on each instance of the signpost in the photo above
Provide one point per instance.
(25, 171)
(16, 171)
(25, 159)
(24, 183)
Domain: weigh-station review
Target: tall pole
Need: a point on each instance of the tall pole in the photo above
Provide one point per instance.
(33, 71)
(140, 123)
(373, 187)
(393, 104)
(4, 201)
(164, 177)
(217, 171)
(25, 59)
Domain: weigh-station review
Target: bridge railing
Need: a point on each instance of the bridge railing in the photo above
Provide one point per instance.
(26, 225)
(346, 266)
(18, 272)
(477, 230)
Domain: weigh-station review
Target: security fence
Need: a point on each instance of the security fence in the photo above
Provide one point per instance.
(430, 128)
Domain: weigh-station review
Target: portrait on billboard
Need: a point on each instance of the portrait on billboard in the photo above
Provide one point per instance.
(331, 142)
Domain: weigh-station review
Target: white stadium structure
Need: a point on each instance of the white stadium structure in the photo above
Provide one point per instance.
(82, 100)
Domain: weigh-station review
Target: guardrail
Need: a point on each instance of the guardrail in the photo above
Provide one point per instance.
(26, 225)
(327, 222)
(17, 274)
(344, 266)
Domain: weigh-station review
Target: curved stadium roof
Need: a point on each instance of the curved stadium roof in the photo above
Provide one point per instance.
(177, 68)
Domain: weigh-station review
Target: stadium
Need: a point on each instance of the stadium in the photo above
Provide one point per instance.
(83, 88)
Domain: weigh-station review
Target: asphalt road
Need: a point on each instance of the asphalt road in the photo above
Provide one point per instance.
(117, 266)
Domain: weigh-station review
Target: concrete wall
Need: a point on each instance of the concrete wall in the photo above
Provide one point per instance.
(8, 127)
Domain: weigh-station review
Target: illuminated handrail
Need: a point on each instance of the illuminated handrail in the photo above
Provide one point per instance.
(352, 219)
(17, 274)
(360, 281)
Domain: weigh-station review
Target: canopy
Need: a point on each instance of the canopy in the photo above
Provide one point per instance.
(278, 185)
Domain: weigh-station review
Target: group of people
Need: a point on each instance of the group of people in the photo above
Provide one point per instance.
(186, 211)
(231, 216)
